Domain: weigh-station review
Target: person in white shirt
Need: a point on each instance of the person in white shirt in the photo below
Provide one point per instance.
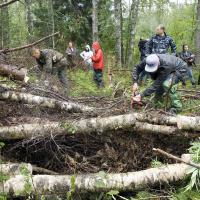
(86, 55)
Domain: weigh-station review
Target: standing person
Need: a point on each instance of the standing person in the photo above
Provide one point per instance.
(189, 58)
(98, 64)
(160, 43)
(71, 53)
(50, 62)
(86, 55)
(142, 48)
(166, 71)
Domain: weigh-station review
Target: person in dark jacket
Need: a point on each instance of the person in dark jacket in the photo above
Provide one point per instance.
(160, 43)
(166, 71)
(71, 54)
(98, 64)
(189, 58)
(142, 48)
(50, 62)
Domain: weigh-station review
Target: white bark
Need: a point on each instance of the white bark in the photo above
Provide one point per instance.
(13, 169)
(133, 21)
(93, 125)
(44, 101)
(95, 31)
(118, 31)
(47, 184)
(188, 123)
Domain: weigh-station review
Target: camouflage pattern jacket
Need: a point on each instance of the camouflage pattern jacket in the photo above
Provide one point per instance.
(48, 59)
(160, 45)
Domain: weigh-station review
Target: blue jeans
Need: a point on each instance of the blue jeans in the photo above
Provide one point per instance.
(190, 75)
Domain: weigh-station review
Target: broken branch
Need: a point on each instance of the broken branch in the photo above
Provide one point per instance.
(176, 158)
(28, 45)
(7, 3)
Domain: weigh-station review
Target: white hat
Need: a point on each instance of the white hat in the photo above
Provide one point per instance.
(152, 63)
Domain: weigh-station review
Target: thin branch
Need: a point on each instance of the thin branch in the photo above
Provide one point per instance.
(176, 158)
(7, 3)
(28, 45)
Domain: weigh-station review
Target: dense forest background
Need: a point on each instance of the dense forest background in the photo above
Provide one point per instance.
(119, 24)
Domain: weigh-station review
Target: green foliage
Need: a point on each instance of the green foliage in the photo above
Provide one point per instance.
(28, 181)
(83, 85)
(68, 127)
(156, 163)
(73, 188)
(186, 195)
(195, 173)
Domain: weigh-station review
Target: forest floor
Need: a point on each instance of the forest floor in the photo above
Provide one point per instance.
(118, 151)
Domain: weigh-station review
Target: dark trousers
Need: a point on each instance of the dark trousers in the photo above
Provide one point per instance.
(98, 77)
(61, 67)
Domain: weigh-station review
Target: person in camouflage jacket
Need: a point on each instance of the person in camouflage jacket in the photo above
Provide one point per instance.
(160, 43)
(51, 62)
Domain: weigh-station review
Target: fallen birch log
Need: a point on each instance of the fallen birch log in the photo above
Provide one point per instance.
(43, 101)
(12, 169)
(14, 73)
(188, 123)
(99, 182)
(98, 125)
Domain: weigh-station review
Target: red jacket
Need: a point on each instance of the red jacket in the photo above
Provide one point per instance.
(97, 59)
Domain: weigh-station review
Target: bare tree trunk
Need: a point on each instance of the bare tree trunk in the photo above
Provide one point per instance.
(197, 34)
(29, 19)
(95, 32)
(5, 26)
(118, 32)
(14, 72)
(52, 24)
(44, 101)
(131, 181)
(133, 21)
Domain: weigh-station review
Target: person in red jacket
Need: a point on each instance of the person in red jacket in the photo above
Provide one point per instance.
(98, 64)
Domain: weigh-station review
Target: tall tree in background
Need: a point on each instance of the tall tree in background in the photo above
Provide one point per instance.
(5, 26)
(29, 19)
(52, 21)
(197, 34)
(118, 32)
(133, 21)
(95, 20)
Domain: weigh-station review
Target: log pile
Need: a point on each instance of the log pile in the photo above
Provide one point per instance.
(99, 182)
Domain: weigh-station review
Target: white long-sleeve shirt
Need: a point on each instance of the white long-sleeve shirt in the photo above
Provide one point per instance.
(86, 55)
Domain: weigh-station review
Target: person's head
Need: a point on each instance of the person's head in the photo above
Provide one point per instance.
(70, 44)
(160, 29)
(96, 46)
(152, 63)
(35, 52)
(185, 47)
(87, 48)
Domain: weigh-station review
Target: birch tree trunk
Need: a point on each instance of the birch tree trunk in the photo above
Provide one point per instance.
(197, 33)
(133, 21)
(52, 24)
(5, 26)
(118, 32)
(99, 182)
(43, 101)
(29, 19)
(93, 125)
(95, 31)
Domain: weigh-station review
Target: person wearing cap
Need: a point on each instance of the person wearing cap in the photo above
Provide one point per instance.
(166, 71)
(87, 55)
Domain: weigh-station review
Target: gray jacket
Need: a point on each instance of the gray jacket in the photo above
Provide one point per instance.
(169, 64)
